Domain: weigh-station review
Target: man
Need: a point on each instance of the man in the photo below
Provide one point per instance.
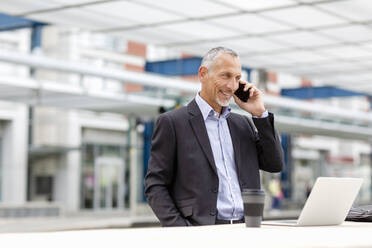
(202, 155)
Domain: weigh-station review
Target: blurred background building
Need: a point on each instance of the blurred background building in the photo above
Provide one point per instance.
(82, 82)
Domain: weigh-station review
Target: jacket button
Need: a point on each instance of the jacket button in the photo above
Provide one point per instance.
(213, 212)
(214, 190)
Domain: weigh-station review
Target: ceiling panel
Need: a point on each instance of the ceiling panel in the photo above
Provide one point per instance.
(254, 5)
(200, 30)
(364, 62)
(274, 37)
(304, 56)
(244, 47)
(356, 10)
(266, 60)
(254, 62)
(132, 11)
(72, 2)
(190, 8)
(309, 1)
(303, 39)
(367, 46)
(196, 50)
(352, 33)
(256, 44)
(250, 23)
(346, 52)
(337, 65)
(302, 72)
(201, 49)
(85, 19)
(311, 70)
(156, 35)
(17, 7)
(304, 17)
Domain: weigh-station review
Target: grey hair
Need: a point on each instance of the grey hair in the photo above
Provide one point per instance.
(211, 55)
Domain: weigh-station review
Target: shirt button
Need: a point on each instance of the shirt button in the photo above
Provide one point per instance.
(213, 212)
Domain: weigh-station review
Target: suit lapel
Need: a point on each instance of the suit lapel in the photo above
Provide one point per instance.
(233, 127)
(200, 131)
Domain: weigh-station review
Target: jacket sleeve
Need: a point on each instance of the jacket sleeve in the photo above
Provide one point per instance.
(160, 173)
(270, 152)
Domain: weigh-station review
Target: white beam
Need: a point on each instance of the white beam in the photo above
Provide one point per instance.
(153, 80)
(146, 79)
(296, 125)
(64, 90)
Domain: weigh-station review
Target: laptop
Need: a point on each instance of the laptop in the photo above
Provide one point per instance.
(328, 203)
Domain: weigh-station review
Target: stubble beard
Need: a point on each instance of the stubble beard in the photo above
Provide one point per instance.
(223, 103)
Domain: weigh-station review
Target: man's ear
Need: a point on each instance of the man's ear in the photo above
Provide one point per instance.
(202, 73)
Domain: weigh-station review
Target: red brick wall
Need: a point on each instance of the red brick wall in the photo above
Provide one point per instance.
(193, 78)
(306, 83)
(272, 77)
(136, 49)
(186, 55)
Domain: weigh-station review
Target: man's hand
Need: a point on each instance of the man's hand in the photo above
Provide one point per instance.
(254, 105)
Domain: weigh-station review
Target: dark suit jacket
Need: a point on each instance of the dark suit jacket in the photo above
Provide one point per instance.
(181, 184)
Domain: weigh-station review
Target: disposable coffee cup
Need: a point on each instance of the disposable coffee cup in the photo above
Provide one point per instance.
(253, 200)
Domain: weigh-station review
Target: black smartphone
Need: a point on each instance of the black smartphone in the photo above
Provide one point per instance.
(241, 94)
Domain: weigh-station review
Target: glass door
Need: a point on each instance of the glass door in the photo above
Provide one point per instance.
(109, 183)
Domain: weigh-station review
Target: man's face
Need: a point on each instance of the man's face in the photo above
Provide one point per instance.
(221, 81)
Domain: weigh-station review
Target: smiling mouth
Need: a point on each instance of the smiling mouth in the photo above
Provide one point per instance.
(225, 94)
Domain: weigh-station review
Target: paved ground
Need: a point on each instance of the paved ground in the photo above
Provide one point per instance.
(85, 221)
(76, 222)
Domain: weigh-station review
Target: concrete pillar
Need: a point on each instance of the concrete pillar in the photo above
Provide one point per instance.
(135, 187)
(369, 98)
(321, 169)
(67, 178)
(73, 162)
(14, 159)
(370, 161)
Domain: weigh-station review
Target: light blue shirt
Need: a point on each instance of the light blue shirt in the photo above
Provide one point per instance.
(229, 200)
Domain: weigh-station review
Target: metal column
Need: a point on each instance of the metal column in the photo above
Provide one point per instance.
(286, 175)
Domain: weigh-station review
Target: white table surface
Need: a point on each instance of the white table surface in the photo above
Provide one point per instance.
(349, 234)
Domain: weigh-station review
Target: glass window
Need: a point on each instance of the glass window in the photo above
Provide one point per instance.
(90, 153)
(109, 151)
(87, 181)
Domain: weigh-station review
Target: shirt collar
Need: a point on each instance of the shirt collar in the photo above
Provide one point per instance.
(207, 110)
